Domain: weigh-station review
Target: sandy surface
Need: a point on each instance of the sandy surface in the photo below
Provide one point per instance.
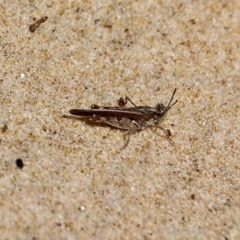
(76, 182)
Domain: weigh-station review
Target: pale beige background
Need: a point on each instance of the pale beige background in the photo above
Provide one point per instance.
(77, 183)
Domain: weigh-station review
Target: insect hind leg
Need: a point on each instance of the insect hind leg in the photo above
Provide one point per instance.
(123, 101)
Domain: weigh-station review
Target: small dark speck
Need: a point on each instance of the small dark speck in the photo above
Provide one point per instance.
(109, 26)
(37, 23)
(192, 21)
(19, 163)
(4, 128)
(96, 21)
(193, 197)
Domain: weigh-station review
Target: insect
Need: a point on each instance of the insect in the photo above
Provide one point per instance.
(129, 119)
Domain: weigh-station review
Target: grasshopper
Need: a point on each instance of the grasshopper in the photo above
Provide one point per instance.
(129, 119)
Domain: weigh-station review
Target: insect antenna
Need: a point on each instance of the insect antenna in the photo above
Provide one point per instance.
(169, 104)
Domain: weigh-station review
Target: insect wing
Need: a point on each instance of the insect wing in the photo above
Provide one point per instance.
(109, 113)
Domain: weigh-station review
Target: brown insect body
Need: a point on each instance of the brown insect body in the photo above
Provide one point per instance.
(130, 119)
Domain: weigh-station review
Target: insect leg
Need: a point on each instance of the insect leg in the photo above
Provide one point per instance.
(129, 132)
(128, 99)
(132, 130)
(127, 141)
(123, 101)
(167, 133)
